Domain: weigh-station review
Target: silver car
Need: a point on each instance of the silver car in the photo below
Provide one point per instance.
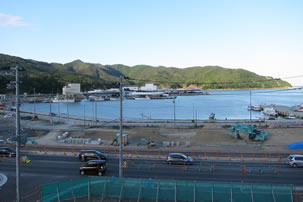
(178, 158)
(295, 160)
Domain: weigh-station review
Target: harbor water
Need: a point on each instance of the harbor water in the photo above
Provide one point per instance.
(226, 104)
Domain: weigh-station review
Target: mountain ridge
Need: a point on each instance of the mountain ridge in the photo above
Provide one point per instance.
(46, 77)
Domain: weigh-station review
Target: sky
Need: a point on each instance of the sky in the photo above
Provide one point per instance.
(262, 36)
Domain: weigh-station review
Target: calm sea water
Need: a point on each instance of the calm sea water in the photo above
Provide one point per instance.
(230, 104)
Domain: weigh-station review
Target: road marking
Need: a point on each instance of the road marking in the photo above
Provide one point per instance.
(3, 179)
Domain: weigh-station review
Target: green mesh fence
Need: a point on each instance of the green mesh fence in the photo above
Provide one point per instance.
(163, 190)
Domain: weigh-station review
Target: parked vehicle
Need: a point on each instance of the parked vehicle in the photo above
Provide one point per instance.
(7, 152)
(86, 155)
(291, 116)
(295, 160)
(52, 114)
(8, 116)
(178, 158)
(93, 167)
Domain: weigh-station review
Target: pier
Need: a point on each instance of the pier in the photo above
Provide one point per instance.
(286, 111)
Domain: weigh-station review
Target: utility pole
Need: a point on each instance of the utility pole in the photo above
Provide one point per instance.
(50, 111)
(59, 111)
(250, 105)
(84, 116)
(121, 129)
(34, 102)
(93, 112)
(67, 110)
(17, 82)
(96, 110)
(193, 112)
(174, 101)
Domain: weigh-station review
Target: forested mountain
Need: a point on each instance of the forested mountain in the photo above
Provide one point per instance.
(51, 77)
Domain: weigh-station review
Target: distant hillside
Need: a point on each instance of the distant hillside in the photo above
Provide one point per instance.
(51, 77)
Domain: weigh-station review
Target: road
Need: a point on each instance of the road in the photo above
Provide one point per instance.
(45, 169)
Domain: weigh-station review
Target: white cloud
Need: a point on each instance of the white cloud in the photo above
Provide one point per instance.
(11, 21)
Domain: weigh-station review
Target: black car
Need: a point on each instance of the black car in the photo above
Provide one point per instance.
(86, 155)
(7, 151)
(93, 167)
(178, 158)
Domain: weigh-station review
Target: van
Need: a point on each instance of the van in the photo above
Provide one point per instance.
(295, 160)
(93, 167)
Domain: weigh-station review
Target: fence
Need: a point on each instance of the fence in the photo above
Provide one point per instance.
(102, 188)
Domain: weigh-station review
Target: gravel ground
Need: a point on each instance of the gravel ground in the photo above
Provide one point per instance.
(209, 134)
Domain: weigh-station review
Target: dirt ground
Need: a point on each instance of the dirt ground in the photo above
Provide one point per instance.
(211, 134)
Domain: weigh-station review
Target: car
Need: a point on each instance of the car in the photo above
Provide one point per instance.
(86, 155)
(178, 158)
(7, 152)
(295, 160)
(52, 114)
(291, 116)
(8, 116)
(93, 167)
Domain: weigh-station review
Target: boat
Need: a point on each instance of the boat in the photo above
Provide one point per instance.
(142, 98)
(298, 108)
(85, 100)
(254, 108)
(113, 99)
(100, 99)
(269, 111)
(58, 100)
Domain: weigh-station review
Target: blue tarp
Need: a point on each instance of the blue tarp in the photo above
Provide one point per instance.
(296, 145)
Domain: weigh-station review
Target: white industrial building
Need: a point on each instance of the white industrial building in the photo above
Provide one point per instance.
(71, 89)
(149, 87)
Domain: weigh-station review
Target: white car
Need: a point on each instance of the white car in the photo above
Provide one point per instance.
(295, 160)
(8, 116)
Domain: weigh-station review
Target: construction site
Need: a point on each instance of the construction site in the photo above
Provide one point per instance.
(230, 136)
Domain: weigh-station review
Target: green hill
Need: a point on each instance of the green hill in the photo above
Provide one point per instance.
(51, 77)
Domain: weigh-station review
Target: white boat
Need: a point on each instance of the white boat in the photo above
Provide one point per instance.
(254, 107)
(298, 108)
(85, 100)
(142, 98)
(269, 111)
(57, 100)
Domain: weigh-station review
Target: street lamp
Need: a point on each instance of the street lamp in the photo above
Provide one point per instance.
(174, 101)
(250, 105)
(17, 82)
(121, 129)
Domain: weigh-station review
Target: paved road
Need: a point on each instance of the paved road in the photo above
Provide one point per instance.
(49, 169)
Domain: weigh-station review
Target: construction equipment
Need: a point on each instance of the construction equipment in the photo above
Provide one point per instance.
(145, 141)
(116, 140)
(253, 133)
